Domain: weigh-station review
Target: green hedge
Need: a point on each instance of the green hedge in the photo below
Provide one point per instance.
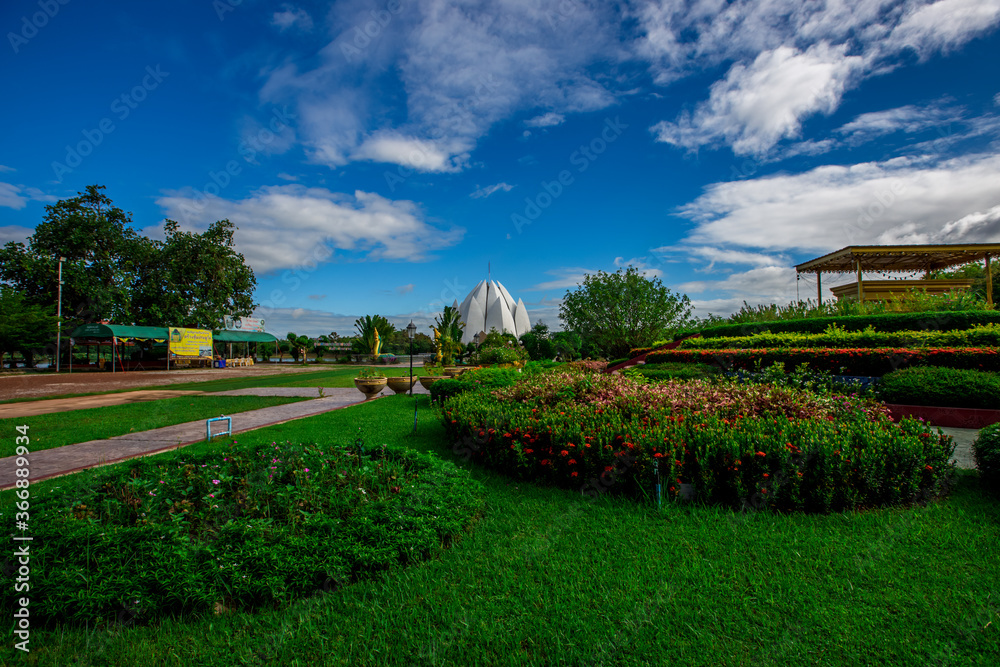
(939, 321)
(986, 450)
(676, 371)
(946, 387)
(475, 379)
(254, 526)
(978, 336)
(872, 361)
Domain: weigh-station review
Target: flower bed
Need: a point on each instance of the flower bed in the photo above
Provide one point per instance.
(873, 361)
(939, 321)
(254, 526)
(738, 444)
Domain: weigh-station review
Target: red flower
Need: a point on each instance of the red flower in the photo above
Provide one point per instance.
(573, 474)
(658, 455)
(572, 462)
(529, 451)
(766, 475)
(564, 453)
(545, 462)
(761, 454)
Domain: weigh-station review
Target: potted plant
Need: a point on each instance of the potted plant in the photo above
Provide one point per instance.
(402, 384)
(432, 375)
(370, 382)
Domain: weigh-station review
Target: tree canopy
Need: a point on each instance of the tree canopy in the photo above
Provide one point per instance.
(113, 273)
(23, 326)
(615, 312)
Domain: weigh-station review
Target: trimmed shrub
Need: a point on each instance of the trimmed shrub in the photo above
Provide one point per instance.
(986, 450)
(871, 361)
(946, 387)
(677, 371)
(936, 321)
(254, 526)
(740, 445)
(473, 380)
(978, 336)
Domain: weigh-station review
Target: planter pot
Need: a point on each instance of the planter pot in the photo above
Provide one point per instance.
(454, 371)
(402, 385)
(370, 387)
(427, 380)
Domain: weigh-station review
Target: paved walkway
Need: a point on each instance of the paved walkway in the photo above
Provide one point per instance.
(72, 458)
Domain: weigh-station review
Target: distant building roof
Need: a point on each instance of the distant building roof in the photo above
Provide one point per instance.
(489, 305)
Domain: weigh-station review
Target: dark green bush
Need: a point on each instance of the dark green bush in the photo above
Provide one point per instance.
(475, 379)
(677, 371)
(254, 526)
(986, 450)
(937, 321)
(946, 387)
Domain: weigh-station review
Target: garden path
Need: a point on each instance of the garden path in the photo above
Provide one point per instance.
(73, 458)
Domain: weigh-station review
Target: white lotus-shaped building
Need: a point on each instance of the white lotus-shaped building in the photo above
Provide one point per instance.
(489, 305)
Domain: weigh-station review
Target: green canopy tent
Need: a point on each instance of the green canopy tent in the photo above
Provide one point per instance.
(247, 337)
(115, 332)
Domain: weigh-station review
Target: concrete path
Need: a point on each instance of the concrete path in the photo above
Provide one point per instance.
(32, 408)
(72, 458)
(964, 437)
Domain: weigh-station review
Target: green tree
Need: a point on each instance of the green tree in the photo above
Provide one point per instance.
(24, 327)
(977, 272)
(618, 311)
(537, 342)
(298, 345)
(567, 344)
(449, 326)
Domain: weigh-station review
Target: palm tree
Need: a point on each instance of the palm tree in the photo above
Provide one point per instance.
(449, 325)
(372, 329)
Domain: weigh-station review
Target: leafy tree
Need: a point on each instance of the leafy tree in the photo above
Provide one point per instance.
(298, 345)
(23, 327)
(449, 326)
(537, 342)
(318, 349)
(618, 311)
(112, 273)
(368, 325)
(977, 272)
(567, 344)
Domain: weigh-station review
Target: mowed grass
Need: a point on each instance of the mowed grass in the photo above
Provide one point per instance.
(548, 576)
(69, 428)
(343, 376)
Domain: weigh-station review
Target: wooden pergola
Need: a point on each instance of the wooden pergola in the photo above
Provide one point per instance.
(901, 258)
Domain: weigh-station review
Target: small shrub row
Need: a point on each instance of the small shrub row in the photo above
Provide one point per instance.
(746, 446)
(676, 371)
(945, 387)
(870, 361)
(979, 336)
(936, 321)
(473, 380)
(986, 451)
(244, 528)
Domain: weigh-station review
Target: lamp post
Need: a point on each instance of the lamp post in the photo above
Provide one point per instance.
(411, 332)
(59, 317)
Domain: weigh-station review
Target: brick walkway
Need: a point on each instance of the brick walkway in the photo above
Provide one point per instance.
(72, 458)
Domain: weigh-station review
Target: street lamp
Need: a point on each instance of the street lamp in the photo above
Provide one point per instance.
(475, 339)
(411, 332)
(59, 317)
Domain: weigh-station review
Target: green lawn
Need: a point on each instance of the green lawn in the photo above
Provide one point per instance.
(342, 376)
(550, 577)
(68, 428)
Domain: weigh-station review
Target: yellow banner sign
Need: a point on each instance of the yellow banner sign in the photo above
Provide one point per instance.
(190, 342)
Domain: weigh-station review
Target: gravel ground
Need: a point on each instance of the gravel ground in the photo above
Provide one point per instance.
(34, 384)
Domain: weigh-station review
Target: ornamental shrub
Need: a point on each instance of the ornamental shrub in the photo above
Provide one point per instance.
(868, 362)
(473, 380)
(836, 337)
(740, 445)
(946, 387)
(677, 371)
(255, 526)
(937, 321)
(986, 450)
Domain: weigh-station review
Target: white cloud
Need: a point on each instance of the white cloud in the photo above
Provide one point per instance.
(482, 193)
(909, 119)
(549, 119)
(6, 169)
(757, 106)
(833, 206)
(293, 226)
(943, 26)
(18, 196)
(996, 99)
(14, 233)
(405, 289)
(412, 153)
(567, 278)
(291, 17)
(717, 255)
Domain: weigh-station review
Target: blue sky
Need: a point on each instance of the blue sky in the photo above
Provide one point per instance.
(378, 156)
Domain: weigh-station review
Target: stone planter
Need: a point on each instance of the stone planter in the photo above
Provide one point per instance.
(454, 371)
(370, 387)
(427, 380)
(401, 385)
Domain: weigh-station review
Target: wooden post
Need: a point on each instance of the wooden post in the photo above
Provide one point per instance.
(819, 287)
(989, 283)
(861, 289)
